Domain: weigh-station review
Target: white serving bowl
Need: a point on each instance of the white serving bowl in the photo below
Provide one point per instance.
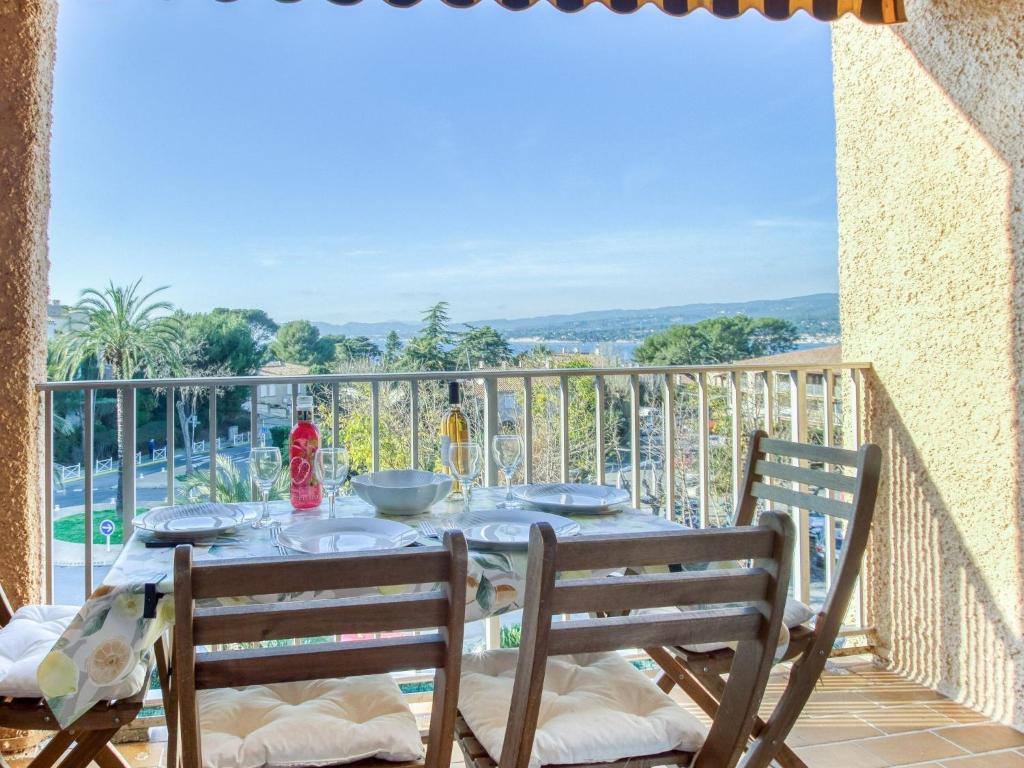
(402, 491)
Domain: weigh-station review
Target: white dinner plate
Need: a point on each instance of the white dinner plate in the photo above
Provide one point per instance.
(509, 528)
(573, 498)
(187, 522)
(346, 534)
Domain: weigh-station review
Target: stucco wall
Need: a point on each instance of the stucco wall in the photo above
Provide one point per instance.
(930, 161)
(27, 30)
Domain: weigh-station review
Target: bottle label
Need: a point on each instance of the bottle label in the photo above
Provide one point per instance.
(445, 445)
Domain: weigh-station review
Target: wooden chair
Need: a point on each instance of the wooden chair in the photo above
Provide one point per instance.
(701, 674)
(198, 672)
(88, 738)
(743, 604)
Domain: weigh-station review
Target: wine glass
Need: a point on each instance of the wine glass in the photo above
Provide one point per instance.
(465, 460)
(508, 454)
(264, 469)
(331, 468)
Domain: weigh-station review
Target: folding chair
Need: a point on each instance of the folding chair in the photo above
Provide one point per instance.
(26, 636)
(576, 702)
(700, 674)
(318, 703)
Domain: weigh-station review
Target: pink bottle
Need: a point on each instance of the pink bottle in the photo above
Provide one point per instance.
(304, 442)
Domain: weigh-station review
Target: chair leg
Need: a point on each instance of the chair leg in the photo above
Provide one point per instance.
(53, 750)
(165, 673)
(768, 744)
(705, 689)
(88, 746)
(110, 757)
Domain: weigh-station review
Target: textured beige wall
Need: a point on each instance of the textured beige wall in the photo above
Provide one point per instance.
(930, 161)
(27, 39)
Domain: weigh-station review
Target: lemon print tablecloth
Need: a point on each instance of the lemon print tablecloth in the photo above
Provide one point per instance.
(100, 653)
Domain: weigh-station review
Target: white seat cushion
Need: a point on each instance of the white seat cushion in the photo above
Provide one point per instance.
(26, 639)
(595, 708)
(30, 636)
(795, 614)
(314, 723)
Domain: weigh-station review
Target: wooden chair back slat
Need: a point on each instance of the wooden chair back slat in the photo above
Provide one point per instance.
(308, 573)
(800, 500)
(809, 452)
(643, 549)
(690, 628)
(807, 476)
(755, 623)
(655, 590)
(442, 608)
(236, 669)
(279, 621)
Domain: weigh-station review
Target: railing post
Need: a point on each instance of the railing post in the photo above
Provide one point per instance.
(88, 403)
(798, 425)
(295, 403)
(528, 429)
(490, 429)
(599, 426)
(768, 383)
(169, 439)
(854, 438)
(335, 427)
(563, 423)
(827, 425)
(375, 424)
(213, 443)
(414, 423)
(669, 418)
(48, 467)
(128, 463)
(634, 438)
(736, 387)
(703, 450)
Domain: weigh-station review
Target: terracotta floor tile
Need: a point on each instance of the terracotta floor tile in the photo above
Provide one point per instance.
(905, 718)
(991, 760)
(908, 748)
(985, 737)
(809, 732)
(850, 755)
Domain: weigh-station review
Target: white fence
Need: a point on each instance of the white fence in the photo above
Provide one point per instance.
(675, 436)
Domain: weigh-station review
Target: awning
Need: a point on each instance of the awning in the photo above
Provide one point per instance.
(871, 11)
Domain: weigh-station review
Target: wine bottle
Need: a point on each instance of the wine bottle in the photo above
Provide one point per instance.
(304, 441)
(454, 429)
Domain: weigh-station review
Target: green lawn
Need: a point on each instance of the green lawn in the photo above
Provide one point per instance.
(72, 527)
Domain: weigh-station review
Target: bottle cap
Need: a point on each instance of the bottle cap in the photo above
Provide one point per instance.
(454, 393)
(304, 402)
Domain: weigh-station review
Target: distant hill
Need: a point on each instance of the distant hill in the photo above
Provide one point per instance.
(814, 315)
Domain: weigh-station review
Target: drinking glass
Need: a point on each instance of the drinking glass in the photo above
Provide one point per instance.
(331, 468)
(508, 454)
(264, 468)
(465, 460)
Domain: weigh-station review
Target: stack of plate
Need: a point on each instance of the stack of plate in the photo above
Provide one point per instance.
(189, 522)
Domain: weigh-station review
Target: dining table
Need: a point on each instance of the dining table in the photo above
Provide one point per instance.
(119, 624)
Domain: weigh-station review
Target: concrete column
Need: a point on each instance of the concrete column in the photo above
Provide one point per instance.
(27, 39)
(930, 165)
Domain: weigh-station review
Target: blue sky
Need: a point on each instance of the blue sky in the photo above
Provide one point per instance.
(361, 163)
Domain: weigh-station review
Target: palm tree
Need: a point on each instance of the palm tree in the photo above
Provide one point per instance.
(121, 328)
(232, 485)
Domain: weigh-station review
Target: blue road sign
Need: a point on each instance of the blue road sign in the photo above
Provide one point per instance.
(107, 527)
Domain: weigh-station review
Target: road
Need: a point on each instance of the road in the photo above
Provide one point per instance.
(150, 483)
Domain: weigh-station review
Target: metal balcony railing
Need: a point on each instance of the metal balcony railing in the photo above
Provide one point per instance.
(675, 436)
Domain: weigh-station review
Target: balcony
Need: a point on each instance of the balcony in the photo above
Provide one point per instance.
(674, 437)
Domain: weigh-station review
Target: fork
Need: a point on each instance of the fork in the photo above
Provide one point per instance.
(276, 541)
(432, 531)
